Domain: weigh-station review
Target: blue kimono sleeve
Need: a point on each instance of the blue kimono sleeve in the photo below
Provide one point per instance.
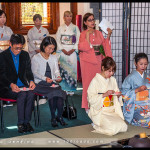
(129, 97)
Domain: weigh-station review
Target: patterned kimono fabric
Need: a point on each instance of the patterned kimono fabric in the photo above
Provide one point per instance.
(105, 112)
(136, 108)
(67, 38)
(34, 38)
(5, 34)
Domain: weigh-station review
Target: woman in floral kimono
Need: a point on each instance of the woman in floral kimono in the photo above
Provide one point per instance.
(105, 101)
(5, 32)
(36, 35)
(135, 91)
(67, 38)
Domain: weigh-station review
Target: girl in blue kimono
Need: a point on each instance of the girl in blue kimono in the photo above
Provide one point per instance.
(136, 94)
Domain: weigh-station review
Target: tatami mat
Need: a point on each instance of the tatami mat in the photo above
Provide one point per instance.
(43, 139)
(79, 136)
(83, 137)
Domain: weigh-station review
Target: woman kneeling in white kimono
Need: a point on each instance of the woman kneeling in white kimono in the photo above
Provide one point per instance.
(103, 98)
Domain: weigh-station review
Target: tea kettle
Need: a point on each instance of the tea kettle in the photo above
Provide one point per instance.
(141, 140)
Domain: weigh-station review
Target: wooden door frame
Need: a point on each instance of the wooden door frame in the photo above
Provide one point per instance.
(73, 9)
(12, 11)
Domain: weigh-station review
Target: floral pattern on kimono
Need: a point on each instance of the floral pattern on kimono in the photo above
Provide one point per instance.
(135, 112)
(68, 63)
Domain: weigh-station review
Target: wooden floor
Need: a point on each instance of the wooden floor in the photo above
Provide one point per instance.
(75, 137)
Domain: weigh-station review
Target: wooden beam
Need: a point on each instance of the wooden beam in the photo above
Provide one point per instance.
(73, 9)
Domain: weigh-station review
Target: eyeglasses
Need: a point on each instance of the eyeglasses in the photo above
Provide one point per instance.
(19, 48)
(50, 49)
(90, 20)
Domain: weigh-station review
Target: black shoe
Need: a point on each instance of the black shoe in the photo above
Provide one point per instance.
(61, 120)
(29, 128)
(54, 122)
(22, 128)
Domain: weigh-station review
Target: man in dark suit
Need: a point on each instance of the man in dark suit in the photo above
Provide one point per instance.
(15, 73)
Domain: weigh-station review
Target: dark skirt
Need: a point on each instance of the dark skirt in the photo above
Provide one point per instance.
(45, 89)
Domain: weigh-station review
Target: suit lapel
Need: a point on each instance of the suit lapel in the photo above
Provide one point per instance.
(21, 64)
(11, 62)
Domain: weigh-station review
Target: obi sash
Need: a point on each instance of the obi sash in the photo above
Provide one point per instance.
(68, 39)
(108, 101)
(4, 45)
(37, 43)
(96, 49)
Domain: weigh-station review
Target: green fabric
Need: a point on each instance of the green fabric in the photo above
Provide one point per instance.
(101, 50)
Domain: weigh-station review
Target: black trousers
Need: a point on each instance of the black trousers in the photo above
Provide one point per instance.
(56, 103)
(25, 102)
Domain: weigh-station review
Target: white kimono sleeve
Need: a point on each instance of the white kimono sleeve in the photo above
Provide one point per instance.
(77, 39)
(11, 32)
(47, 33)
(58, 39)
(95, 100)
(32, 46)
(116, 89)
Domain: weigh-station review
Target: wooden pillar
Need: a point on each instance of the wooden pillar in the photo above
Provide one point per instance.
(73, 9)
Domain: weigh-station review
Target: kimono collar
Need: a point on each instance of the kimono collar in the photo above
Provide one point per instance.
(2, 28)
(142, 75)
(69, 25)
(98, 75)
(38, 29)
